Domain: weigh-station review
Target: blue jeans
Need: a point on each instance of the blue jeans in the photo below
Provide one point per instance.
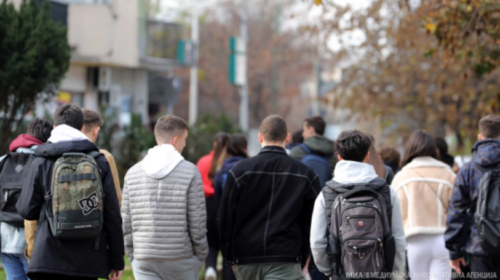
(15, 266)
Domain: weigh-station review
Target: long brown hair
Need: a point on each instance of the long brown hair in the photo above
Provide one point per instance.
(420, 144)
(236, 147)
(375, 160)
(220, 144)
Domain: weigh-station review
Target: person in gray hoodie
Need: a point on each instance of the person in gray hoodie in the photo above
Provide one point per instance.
(163, 209)
(350, 173)
(313, 130)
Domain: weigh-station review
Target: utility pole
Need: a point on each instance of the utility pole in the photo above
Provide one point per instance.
(193, 82)
(244, 87)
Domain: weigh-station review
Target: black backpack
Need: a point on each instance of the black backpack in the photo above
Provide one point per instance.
(487, 214)
(14, 170)
(361, 244)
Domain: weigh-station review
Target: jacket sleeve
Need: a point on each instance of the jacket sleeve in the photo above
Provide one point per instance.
(127, 223)
(306, 215)
(460, 203)
(32, 196)
(197, 217)
(227, 203)
(112, 225)
(29, 232)
(319, 239)
(116, 179)
(297, 152)
(398, 233)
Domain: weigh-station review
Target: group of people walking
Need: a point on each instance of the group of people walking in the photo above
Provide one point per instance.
(303, 208)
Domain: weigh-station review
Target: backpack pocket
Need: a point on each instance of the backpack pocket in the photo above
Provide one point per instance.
(360, 222)
(10, 195)
(488, 231)
(363, 256)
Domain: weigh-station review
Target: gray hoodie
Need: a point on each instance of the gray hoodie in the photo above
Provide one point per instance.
(348, 172)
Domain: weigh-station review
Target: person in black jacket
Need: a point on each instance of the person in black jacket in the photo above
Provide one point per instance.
(266, 210)
(55, 258)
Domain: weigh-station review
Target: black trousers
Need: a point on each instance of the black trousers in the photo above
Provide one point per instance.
(212, 232)
(484, 267)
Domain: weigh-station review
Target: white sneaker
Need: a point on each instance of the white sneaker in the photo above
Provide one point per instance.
(210, 274)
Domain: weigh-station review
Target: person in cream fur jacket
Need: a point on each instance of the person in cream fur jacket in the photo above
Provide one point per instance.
(424, 188)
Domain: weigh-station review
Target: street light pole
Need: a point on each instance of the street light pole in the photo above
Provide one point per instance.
(244, 87)
(193, 82)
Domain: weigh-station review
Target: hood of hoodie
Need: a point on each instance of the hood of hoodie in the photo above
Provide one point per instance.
(320, 145)
(24, 141)
(348, 174)
(486, 152)
(161, 160)
(62, 133)
(229, 163)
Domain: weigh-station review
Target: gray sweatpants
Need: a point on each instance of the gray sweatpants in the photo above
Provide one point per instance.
(273, 271)
(187, 269)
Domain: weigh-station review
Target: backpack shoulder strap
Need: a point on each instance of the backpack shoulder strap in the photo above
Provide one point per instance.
(305, 148)
(3, 159)
(95, 154)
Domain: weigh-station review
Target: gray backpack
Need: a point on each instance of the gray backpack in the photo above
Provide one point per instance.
(360, 240)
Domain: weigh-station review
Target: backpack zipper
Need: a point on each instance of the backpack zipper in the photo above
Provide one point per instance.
(359, 238)
(361, 201)
(358, 216)
(361, 247)
(363, 205)
(361, 255)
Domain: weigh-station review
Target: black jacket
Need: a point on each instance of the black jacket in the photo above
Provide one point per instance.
(266, 209)
(70, 257)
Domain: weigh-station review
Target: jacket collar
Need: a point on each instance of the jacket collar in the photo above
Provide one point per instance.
(273, 149)
(425, 162)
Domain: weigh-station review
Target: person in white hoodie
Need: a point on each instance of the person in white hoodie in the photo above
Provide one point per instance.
(163, 209)
(352, 170)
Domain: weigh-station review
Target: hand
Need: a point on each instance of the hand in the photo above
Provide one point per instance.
(305, 269)
(115, 275)
(455, 264)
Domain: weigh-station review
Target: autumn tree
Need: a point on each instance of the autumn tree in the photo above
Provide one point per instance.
(432, 66)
